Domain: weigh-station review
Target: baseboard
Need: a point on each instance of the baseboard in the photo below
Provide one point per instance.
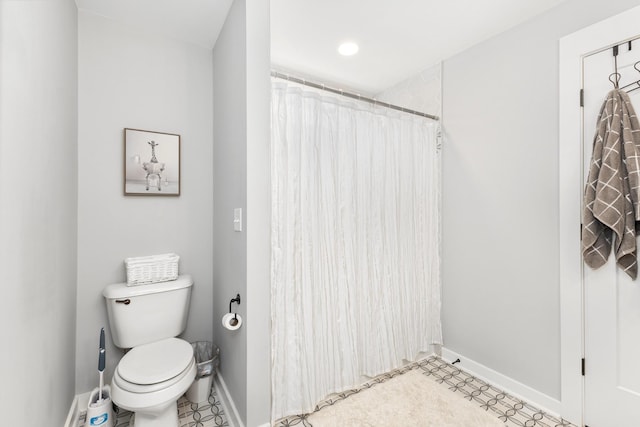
(78, 406)
(233, 417)
(521, 391)
(72, 416)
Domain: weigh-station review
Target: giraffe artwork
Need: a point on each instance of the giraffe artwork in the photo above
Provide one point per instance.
(152, 163)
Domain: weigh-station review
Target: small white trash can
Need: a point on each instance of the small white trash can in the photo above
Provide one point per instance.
(207, 360)
(200, 389)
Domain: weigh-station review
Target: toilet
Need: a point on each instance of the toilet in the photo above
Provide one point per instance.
(158, 368)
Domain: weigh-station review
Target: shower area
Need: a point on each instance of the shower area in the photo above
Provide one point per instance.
(355, 236)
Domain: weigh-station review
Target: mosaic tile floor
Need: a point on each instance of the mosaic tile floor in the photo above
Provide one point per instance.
(512, 411)
(204, 414)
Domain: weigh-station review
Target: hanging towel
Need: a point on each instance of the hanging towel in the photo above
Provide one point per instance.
(612, 190)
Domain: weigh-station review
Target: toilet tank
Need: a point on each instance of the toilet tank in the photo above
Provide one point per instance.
(147, 313)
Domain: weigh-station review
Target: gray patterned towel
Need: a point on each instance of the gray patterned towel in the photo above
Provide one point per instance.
(613, 187)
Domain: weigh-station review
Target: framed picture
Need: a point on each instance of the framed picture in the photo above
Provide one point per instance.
(151, 163)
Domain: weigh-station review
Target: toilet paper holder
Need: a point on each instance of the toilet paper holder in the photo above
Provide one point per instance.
(234, 321)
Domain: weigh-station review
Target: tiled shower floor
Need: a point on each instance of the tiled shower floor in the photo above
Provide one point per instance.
(508, 409)
(203, 414)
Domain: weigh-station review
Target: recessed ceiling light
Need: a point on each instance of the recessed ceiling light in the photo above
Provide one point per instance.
(348, 49)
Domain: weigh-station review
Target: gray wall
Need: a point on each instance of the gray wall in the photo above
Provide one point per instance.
(258, 214)
(230, 191)
(501, 293)
(132, 78)
(241, 180)
(38, 175)
(420, 92)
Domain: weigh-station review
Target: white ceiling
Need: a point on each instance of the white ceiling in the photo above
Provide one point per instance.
(397, 38)
(194, 21)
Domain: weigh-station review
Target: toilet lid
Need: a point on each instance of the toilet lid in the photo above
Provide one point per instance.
(155, 362)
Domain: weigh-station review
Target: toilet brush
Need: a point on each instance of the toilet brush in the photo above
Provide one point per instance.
(99, 411)
(101, 360)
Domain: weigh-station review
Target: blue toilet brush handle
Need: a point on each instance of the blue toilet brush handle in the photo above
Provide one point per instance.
(101, 363)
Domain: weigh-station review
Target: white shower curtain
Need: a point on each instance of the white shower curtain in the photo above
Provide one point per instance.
(355, 275)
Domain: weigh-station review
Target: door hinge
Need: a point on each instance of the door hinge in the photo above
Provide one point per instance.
(582, 97)
(583, 366)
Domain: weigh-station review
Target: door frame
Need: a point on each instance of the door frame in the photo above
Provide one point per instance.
(573, 49)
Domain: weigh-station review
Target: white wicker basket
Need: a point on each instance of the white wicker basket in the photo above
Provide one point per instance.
(151, 269)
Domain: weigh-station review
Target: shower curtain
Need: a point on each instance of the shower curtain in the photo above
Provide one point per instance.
(355, 275)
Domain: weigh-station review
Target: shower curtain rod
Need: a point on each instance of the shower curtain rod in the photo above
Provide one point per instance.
(352, 95)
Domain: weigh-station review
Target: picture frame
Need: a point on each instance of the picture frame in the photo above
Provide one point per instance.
(151, 163)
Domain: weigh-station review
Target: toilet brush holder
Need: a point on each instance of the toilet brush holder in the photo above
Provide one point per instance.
(100, 412)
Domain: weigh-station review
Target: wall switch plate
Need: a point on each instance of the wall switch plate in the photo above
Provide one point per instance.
(237, 219)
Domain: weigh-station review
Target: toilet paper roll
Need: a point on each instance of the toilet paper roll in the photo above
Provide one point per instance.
(232, 321)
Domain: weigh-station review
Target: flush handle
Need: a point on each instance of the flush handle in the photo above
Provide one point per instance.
(123, 301)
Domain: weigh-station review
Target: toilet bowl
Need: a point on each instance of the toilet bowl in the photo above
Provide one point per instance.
(150, 379)
(159, 368)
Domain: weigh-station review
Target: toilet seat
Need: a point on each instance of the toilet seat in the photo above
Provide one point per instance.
(155, 366)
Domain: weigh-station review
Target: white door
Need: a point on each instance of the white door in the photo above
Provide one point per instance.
(611, 298)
